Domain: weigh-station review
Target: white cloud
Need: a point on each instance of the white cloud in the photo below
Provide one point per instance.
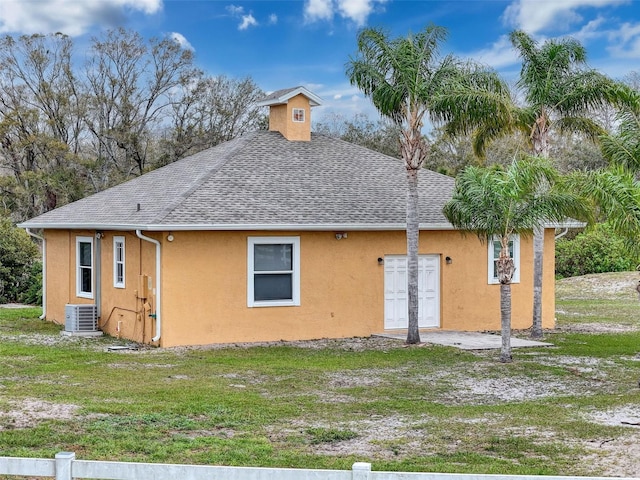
(70, 18)
(235, 10)
(537, 15)
(500, 54)
(591, 30)
(355, 10)
(181, 40)
(625, 41)
(247, 21)
(318, 10)
(273, 19)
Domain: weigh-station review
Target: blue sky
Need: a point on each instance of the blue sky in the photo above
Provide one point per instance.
(287, 43)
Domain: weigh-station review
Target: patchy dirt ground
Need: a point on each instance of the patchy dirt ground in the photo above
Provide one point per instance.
(397, 436)
(618, 285)
(27, 413)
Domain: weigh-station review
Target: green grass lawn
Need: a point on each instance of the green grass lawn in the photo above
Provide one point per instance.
(426, 408)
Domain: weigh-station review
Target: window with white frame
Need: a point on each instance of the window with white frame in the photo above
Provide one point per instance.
(298, 114)
(494, 254)
(273, 271)
(118, 262)
(84, 267)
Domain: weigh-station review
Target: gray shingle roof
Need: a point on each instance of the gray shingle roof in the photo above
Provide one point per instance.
(280, 97)
(263, 181)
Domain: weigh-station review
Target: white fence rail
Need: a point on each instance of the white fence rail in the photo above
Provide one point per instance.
(66, 467)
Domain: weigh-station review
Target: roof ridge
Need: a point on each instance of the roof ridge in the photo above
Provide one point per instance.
(240, 141)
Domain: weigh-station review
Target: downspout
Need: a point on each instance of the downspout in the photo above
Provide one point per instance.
(158, 318)
(562, 234)
(44, 272)
(98, 274)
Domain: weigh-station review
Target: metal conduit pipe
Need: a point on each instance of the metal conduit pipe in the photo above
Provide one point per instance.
(44, 272)
(158, 303)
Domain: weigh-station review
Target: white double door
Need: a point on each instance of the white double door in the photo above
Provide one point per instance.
(396, 299)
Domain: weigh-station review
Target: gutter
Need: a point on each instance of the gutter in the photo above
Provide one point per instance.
(251, 227)
(324, 227)
(44, 272)
(158, 290)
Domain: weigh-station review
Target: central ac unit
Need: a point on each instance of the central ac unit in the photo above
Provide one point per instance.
(80, 318)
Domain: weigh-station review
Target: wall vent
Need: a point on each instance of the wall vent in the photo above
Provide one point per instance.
(80, 318)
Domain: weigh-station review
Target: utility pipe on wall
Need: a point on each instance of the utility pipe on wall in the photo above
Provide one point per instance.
(44, 272)
(158, 304)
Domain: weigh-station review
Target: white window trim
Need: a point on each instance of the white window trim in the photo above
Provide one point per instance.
(516, 259)
(295, 301)
(79, 292)
(116, 241)
(293, 115)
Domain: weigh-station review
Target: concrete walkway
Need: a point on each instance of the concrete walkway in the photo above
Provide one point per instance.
(465, 340)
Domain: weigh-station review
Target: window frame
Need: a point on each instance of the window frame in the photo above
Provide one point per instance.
(493, 280)
(118, 240)
(295, 111)
(80, 268)
(295, 272)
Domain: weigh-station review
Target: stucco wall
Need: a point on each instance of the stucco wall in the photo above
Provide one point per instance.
(281, 119)
(60, 274)
(125, 312)
(341, 287)
(204, 292)
(122, 311)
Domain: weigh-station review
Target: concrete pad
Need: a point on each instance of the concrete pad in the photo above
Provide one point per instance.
(82, 333)
(466, 340)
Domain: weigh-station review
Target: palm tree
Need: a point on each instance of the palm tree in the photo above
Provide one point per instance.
(559, 92)
(615, 194)
(498, 203)
(409, 83)
(623, 147)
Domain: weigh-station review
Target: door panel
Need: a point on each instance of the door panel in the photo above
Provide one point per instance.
(395, 291)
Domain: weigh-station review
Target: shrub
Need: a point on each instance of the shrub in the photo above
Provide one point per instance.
(18, 255)
(594, 251)
(32, 292)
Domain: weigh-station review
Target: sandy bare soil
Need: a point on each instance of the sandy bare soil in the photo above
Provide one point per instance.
(618, 456)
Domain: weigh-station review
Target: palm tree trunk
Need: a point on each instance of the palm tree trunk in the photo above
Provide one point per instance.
(540, 139)
(506, 269)
(538, 249)
(505, 322)
(413, 233)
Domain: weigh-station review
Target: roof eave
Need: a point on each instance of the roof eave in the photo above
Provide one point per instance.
(235, 227)
(314, 100)
(569, 223)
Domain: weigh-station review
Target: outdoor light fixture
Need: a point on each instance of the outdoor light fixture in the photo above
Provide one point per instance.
(380, 261)
(448, 260)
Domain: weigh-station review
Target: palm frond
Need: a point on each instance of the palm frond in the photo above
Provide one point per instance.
(616, 193)
(581, 125)
(496, 201)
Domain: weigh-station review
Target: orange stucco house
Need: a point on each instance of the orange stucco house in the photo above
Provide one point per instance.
(275, 235)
